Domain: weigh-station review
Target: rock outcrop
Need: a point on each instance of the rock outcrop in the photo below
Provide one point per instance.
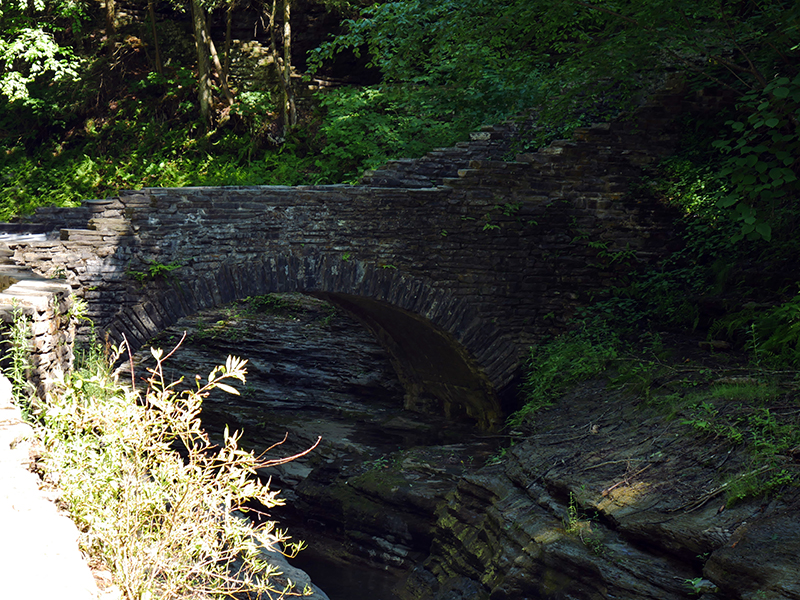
(602, 496)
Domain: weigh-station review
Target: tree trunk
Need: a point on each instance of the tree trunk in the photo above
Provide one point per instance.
(217, 65)
(226, 66)
(276, 59)
(203, 67)
(289, 108)
(111, 18)
(151, 10)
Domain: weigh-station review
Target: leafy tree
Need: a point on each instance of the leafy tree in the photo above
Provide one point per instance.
(201, 41)
(35, 48)
(582, 61)
(288, 111)
(471, 55)
(211, 68)
(762, 172)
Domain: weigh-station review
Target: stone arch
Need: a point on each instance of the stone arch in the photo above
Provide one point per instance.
(448, 359)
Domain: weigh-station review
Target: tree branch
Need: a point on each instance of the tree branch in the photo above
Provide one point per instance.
(753, 70)
(282, 461)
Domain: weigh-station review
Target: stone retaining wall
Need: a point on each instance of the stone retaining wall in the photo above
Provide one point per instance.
(47, 305)
(457, 267)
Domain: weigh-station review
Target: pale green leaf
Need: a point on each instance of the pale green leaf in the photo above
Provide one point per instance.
(227, 388)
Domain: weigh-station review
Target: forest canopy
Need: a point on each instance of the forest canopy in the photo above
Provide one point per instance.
(140, 92)
(578, 62)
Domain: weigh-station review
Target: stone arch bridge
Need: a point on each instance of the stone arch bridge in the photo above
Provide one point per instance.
(457, 262)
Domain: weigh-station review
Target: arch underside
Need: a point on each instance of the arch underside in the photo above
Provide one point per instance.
(428, 334)
(437, 373)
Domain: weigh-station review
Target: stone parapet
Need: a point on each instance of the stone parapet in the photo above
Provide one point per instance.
(47, 306)
(462, 250)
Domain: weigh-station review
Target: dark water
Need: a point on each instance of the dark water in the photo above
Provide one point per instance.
(350, 582)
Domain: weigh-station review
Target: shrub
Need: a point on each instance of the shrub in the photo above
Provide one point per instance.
(160, 505)
(772, 334)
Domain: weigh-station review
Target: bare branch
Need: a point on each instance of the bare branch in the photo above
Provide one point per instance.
(276, 444)
(178, 345)
(753, 70)
(283, 461)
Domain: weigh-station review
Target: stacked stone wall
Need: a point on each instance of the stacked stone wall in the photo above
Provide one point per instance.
(47, 306)
(490, 253)
(492, 142)
(497, 257)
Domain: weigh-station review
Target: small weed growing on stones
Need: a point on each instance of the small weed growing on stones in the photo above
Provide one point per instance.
(155, 270)
(17, 356)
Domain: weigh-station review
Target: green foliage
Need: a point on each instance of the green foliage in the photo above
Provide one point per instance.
(447, 67)
(748, 391)
(134, 150)
(579, 524)
(455, 53)
(580, 62)
(273, 304)
(761, 481)
(637, 374)
(764, 165)
(364, 127)
(381, 462)
(31, 56)
(254, 108)
(498, 457)
(18, 356)
(577, 62)
(155, 270)
(332, 313)
(739, 414)
(669, 294)
(159, 505)
(552, 368)
(699, 586)
(771, 333)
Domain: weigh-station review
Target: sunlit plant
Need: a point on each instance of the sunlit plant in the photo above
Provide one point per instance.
(160, 506)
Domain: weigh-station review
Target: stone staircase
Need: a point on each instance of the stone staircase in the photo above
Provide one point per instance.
(491, 142)
(638, 139)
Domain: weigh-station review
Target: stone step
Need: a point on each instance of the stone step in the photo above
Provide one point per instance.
(90, 235)
(110, 224)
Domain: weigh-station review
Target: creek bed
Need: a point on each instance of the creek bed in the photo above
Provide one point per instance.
(347, 582)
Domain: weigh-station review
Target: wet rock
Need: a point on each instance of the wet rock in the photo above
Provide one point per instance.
(760, 559)
(599, 501)
(385, 512)
(599, 497)
(301, 580)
